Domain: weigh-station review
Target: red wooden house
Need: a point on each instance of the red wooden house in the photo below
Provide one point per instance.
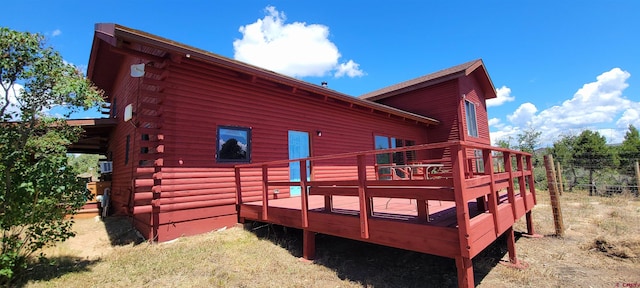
(199, 141)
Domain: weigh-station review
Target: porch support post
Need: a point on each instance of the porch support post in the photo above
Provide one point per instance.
(423, 210)
(487, 158)
(531, 232)
(303, 193)
(365, 203)
(462, 209)
(465, 272)
(522, 182)
(511, 190)
(238, 194)
(511, 246)
(308, 245)
(328, 203)
(265, 193)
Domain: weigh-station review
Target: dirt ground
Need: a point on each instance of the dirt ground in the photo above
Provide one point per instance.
(600, 248)
(97, 237)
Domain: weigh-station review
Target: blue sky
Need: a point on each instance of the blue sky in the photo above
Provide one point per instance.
(560, 66)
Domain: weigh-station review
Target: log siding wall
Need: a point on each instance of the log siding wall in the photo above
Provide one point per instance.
(185, 191)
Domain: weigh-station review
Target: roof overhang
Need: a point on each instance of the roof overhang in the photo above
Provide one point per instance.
(112, 43)
(473, 68)
(95, 138)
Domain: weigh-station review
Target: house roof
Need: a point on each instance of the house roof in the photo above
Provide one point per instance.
(112, 42)
(475, 68)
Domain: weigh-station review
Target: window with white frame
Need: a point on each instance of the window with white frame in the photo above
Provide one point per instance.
(472, 124)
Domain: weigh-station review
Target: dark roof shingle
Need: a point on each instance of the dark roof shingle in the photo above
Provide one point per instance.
(427, 80)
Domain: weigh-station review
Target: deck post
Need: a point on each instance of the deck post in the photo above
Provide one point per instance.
(531, 232)
(465, 272)
(532, 187)
(308, 244)
(303, 193)
(238, 189)
(522, 183)
(530, 229)
(365, 204)
(511, 191)
(493, 195)
(328, 203)
(423, 210)
(511, 246)
(462, 208)
(265, 192)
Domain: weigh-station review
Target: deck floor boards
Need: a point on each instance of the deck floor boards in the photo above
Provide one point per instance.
(441, 213)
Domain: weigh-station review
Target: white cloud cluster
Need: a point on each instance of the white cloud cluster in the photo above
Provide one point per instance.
(523, 116)
(351, 69)
(56, 32)
(596, 104)
(296, 49)
(13, 107)
(504, 96)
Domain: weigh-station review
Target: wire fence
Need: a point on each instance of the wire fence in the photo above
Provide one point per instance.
(600, 180)
(603, 189)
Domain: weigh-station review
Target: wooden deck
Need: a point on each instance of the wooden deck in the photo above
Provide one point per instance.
(455, 213)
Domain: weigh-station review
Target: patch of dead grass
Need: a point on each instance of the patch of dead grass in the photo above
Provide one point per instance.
(620, 248)
(600, 249)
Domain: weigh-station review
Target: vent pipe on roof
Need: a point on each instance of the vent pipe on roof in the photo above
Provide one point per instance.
(324, 84)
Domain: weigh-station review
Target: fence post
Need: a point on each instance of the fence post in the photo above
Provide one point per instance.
(553, 194)
(637, 176)
(560, 182)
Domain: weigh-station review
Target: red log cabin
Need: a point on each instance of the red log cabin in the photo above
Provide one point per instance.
(199, 141)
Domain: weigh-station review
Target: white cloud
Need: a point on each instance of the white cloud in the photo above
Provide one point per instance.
(296, 49)
(351, 69)
(13, 107)
(507, 133)
(56, 32)
(495, 122)
(523, 115)
(597, 106)
(504, 96)
(631, 116)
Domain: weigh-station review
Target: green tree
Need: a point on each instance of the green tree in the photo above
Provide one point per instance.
(502, 143)
(563, 150)
(591, 153)
(629, 151)
(85, 164)
(39, 188)
(528, 140)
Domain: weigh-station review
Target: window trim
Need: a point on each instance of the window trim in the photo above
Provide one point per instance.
(218, 146)
(472, 124)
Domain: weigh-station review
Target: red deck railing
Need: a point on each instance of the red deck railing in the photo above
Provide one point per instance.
(499, 181)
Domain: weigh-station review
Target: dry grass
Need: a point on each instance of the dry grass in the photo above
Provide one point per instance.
(601, 248)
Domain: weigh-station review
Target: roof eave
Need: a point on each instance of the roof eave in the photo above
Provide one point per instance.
(113, 33)
(483, 77)
(465, 69)
(416, 86)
